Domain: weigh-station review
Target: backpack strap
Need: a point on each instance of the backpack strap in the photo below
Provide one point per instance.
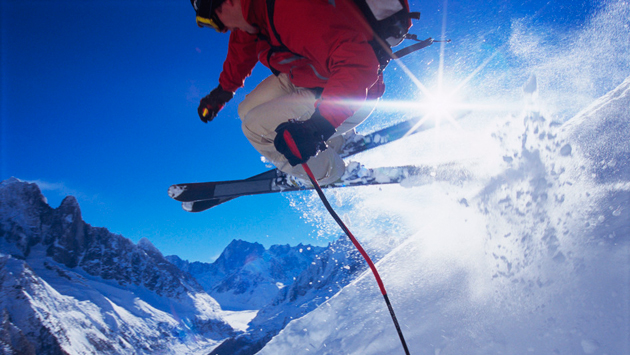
(381, 48)
(274, 49)
(271, 4)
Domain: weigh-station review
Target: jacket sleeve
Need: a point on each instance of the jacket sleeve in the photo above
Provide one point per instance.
(241, 58)
(329, 35)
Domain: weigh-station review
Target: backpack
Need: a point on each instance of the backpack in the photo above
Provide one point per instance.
(390, 21)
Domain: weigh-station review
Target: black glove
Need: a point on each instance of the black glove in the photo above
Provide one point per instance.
(310, 137)
(210, 105)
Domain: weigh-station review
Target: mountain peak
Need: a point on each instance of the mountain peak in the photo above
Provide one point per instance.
(147, 246)
(10, 181)
(69, 210)
(239, 253)
(16, 193)
(69, 201)
(240, 244)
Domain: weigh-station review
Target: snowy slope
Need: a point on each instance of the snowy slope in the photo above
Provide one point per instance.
(67, 287)
(532, 257)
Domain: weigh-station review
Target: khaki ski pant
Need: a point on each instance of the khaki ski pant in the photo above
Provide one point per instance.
(276, 100)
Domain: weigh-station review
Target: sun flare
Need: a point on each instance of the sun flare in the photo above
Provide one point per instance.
(440, 105)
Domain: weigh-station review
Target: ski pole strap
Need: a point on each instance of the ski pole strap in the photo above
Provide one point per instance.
(295, 151)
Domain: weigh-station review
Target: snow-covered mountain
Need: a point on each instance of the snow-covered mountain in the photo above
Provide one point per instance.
(68, 287)
(246, 276)
(281, 284)
(332, 269)
(530, 257)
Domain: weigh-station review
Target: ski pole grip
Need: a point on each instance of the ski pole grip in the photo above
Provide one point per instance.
(291, 144)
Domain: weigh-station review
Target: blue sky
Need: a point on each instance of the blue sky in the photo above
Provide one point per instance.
(99, 101)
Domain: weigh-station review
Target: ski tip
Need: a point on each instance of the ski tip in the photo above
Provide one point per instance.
(175, 190)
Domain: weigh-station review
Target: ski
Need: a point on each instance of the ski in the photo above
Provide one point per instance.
(200, 206)
(277, 181)
(357, 144)
(199, 196)
(267, 182)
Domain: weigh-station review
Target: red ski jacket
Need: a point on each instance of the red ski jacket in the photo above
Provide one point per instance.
(329, 49)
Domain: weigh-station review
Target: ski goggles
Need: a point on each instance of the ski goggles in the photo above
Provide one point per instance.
(212, 22)
(206, 15)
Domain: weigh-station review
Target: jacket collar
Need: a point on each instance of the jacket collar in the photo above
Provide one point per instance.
(255, 13)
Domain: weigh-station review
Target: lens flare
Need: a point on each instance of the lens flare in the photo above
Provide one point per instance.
(439, 105)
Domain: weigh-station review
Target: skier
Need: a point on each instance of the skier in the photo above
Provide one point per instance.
(326, 77)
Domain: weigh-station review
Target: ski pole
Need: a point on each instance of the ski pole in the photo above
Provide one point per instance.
(295, 151)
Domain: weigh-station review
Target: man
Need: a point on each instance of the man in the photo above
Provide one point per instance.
(324, 70)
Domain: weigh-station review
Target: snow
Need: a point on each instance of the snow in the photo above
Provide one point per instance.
(528, 264)
(531, 254)
(51, 306)
(90, 310)
(239, 320)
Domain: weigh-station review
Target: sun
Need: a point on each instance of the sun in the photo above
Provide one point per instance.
(443, 102)
(440, 104)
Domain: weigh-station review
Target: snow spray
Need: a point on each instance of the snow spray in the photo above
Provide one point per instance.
(295, 151)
